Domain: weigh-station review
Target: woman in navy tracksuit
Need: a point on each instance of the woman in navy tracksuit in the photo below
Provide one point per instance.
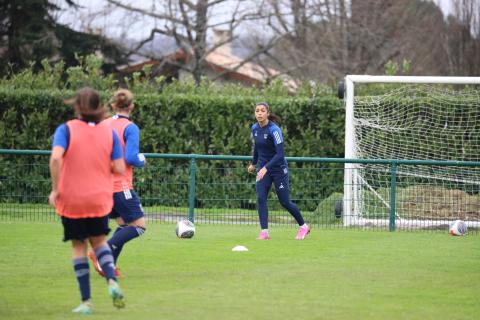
(269, 156)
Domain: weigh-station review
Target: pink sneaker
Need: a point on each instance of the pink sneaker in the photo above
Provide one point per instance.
(302, 232)
(263, 235)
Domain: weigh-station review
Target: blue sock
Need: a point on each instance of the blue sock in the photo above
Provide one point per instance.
(122, 236)
(120, 227)
(117, 250)
(105, 259)
(80, 265)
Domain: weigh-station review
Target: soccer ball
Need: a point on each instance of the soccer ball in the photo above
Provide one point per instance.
(185, 229)
(458, 228)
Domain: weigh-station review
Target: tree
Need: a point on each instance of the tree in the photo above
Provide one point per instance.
(29, 32)
(332, 38)
(462, 38)
(189, 22)
(26, 32)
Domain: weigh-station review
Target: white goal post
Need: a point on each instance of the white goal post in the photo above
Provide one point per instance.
(413, 118)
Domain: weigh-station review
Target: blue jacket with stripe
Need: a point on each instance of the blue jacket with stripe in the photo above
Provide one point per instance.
(268, 146)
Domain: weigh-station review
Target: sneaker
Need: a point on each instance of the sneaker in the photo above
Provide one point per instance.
(95, 263)
(302, 232)
(263, 235)
(84, 308)
(116, 294)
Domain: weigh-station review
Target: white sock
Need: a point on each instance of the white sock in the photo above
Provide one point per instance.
(304, 226)
(265, 230)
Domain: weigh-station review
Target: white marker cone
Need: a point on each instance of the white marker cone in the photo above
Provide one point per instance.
(239, 248)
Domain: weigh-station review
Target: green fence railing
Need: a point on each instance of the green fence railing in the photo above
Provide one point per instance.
(217, 189)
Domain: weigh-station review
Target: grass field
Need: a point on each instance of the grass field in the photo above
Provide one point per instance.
(334, 274)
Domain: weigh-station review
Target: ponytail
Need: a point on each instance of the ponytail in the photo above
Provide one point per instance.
(122, 99)
(275, 118)
(87, 105)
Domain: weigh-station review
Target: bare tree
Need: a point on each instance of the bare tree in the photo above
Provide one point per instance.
(330, 38)
(462, 38)
(188, 23)
(321, 40)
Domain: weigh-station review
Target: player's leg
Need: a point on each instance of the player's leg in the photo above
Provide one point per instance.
(105, 258)
(75, 231)
(262, 187)
(282, 188)
(93, 257)
(130, 220)
(104, 255)
(82, 272)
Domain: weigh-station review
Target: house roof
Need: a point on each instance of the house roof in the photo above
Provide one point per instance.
(222, 60)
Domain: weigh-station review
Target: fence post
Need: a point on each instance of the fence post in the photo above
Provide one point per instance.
(393, 195)
(191, 190)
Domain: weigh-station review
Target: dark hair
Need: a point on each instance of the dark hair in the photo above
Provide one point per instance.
(271, 116)
(122, 99)
(87, 105)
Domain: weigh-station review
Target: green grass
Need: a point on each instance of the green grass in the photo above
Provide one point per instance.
(334, 274)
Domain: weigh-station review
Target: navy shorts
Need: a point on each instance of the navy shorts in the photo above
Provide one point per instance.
(126, 205)
(81, 229)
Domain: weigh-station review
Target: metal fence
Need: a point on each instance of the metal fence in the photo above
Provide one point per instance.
(214, 189)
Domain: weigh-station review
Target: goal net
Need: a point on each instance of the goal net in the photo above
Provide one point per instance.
(430, 127)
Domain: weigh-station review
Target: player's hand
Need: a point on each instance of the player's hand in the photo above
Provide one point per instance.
(141, 157)
(251, 168)
(261, 173)
(52, 198)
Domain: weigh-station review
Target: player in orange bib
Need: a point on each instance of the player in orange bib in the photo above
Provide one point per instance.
(127, 209)
(85, 152)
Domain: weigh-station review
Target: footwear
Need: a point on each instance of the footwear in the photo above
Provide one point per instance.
(302, 232)
(116, 294)
(263, 235)
(95, 263)
(84, 308)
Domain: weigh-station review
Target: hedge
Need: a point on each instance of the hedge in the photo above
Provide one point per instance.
(185, 122)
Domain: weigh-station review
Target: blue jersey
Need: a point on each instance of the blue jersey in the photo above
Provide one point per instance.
(131, 137)
(268, 147)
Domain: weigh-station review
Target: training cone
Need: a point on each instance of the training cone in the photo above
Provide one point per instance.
(240, 248)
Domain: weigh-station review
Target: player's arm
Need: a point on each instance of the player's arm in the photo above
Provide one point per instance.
(251, 167)
(118, 164)
(278, 157)
(132, 146)
(279, 149)
(59, 145)
(56, 160)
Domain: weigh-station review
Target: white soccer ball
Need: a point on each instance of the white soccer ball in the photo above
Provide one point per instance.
(458, 228)
(185, 229)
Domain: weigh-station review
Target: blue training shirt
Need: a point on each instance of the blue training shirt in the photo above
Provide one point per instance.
(268, 146)
(131, 136)
(61, 138)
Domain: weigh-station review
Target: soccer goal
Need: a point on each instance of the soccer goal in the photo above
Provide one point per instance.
(429, 130)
